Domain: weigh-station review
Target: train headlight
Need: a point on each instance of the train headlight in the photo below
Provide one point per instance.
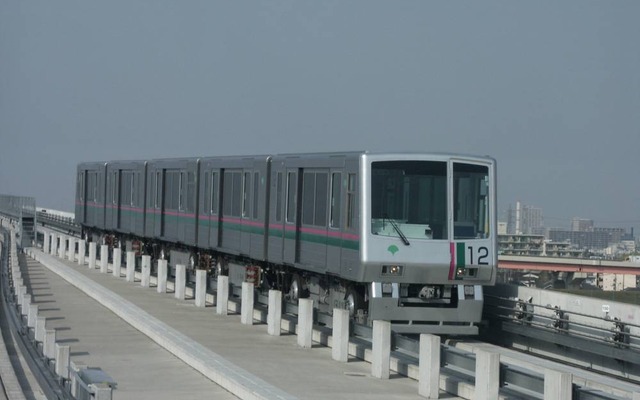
(460, 272)
(392, 270)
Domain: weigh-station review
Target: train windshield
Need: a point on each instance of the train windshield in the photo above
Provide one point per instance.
(470, 201)
(409, 199)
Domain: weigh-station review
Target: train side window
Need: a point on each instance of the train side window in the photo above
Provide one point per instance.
(351, 201)
(320, 214)
(181, 184)
(291, 196)
(256, 189)
(114, 187)
(336, 189)
(308, 197)
(157, 196)
(207, 194)
(191, 192)
(279, 197)
(246, 187)
(133, 192)
(214, 193)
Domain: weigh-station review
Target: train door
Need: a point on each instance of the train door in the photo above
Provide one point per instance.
(350, 247)
(291, 216)
(334, 233)
(313, 223)
(275, 229)
(81, 204)
(158, 203)
(245, 216)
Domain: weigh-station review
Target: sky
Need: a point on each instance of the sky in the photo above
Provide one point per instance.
(550, 89)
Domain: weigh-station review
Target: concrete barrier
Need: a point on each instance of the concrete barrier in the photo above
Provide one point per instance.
(180, 282)
(40, 328)
(162, 276)
(82, 250)
(92, 255)
(274, 315)
(32, 315)
(222, 302)
(340, 335)
(49, 343)
(117, 262)
(104, 258)
(305, 323)
(246, 307)
(62, 361)
(557, 385)
(46, 246)
(429, 366)
(201, 288)
(72, 249)
(381, 349)
(131, 266)
(145, 280)
(487, 375)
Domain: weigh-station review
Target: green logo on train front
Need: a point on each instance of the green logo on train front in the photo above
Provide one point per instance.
(393, 249)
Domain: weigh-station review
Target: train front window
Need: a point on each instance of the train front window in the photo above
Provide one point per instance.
(470, 201)
(409, 198)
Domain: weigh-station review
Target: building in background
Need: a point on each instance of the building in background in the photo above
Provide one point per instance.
(525, 220)
(581, 225)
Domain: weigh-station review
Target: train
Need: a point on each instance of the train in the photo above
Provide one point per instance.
(409, 238)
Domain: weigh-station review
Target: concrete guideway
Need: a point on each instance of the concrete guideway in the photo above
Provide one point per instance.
(261, 358)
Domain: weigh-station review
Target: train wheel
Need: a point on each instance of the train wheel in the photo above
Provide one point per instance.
(297, 289)
(354, 301)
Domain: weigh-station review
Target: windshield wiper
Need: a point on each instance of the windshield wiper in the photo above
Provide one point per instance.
(397, 229)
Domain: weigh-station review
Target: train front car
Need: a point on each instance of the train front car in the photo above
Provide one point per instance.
(429, 240)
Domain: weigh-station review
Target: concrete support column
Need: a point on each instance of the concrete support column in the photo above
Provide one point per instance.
(340, 335)
(104, 258)
(49, 343)
(487, 375)
(20, 291)
(429, 366)
(26, 302)
(117, 262)
(223, 295)
(274, 315)
(75, 384)
(180, 282)
(305, 322)
(63, 247)
(92, 255)
(82, 249)
(53, 249)
(62, 361)
(146, 271)
(32, 315)
(246, 308)
(557, 385)
(381, 349)
(72, 249)
(131, 266)
(40, 328)
(162, 276)
(46, 247)
(201, 288)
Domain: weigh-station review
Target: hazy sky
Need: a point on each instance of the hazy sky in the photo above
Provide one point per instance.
(551, 89)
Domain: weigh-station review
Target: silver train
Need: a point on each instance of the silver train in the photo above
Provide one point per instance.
(408, 238)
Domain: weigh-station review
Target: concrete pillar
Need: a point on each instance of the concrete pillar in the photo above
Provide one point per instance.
(82, 250)
(246, 307)
(305, 322)
(92, 255)
(429, 366)
(62, 361)
(162, 276)
(104, 258)
(101, 391)
(223, 295)
(557, 385)
(20, 292)
(40, 328)
(340, 335)
(180, 282)
(117, 262)
(72, 249)
(62, 248)
(487, 375)
(131, 266)
(46, 248)
(26, 302)
(201, 288)
(32, 315)
(76, 366)
(53, 249)
(146, 271)
(274, 315)
(49, 343)
(381, 349)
